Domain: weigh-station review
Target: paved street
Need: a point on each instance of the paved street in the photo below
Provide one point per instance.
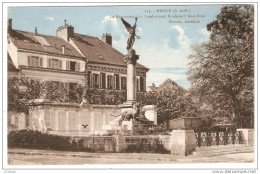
(48, 157)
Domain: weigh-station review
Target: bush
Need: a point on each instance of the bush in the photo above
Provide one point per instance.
(38, 140)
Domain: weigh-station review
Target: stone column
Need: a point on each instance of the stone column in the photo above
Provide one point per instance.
(131, 59)
(131, 82)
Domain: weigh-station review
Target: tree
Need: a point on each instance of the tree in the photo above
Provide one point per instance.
(172, 102)
(222, 70)
(21, 91)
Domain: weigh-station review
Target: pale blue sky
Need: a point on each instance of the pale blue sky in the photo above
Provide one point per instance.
(164, 47)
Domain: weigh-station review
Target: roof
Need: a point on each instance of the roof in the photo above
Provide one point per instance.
(95, 50)
(92, 48)
(10, 64)
(28, 41)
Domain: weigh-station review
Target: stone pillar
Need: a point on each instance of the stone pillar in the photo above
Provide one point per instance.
(131, 59)
(120, 144)
(182, 142)
(247, 136)
(131, 82)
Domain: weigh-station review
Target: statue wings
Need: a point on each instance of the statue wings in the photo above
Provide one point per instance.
(126, 24)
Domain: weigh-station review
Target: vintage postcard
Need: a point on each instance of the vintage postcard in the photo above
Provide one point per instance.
(130, 85)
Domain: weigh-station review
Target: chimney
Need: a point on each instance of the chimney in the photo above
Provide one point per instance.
(63, 49)
(65, 32)
(107, 38)
(35, 30)
(9, 24)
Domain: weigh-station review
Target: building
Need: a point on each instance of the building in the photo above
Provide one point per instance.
(63, 62)
(151, 88)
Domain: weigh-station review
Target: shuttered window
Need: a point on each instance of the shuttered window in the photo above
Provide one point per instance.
(123, 82)
(142, 87)
(103, 80)
(89, 73)
(116, 81)
(96, 80)
(110, 82)
(137, 85)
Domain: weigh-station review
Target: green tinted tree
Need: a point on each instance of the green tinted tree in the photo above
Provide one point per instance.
(222, 70)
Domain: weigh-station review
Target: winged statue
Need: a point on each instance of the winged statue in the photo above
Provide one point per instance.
(131, 31)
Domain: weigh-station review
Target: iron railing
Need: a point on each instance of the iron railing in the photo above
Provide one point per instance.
(216, 138)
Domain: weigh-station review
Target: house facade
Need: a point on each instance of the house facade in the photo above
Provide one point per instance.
(63, 62)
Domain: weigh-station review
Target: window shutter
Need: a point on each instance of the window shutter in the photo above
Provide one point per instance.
(117, 81)
(49, 63)
(29, 60)
(40, 61)
(142, 87)
(91, 80)
(67, 65)
(78, 66)
(103, 81)
(137, 85)
(98, 81)
(60, 64)
(113, 82)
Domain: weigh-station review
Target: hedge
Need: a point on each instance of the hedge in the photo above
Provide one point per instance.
(37, 140)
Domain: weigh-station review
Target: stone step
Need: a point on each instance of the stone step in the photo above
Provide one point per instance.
(206, 148)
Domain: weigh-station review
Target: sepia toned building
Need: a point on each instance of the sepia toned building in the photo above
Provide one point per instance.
(63, 62)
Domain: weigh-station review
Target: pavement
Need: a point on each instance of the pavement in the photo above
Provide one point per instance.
(50, 157)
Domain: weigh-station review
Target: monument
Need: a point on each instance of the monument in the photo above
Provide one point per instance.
(131, 118)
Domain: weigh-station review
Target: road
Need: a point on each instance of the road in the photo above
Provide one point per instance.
(47, 157)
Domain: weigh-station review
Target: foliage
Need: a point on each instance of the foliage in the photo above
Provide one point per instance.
(22, 90)
(222, 70)
(38, 140)
(172, 102)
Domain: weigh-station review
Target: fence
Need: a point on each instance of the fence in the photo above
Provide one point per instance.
(211, 138)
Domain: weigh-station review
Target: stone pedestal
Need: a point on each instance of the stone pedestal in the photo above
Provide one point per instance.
(247, 136)
(182, 142)
(120, 144)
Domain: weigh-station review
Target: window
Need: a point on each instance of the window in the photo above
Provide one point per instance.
(110, 81)
(54, 63)
(123, 82)
(96, 80)
(89, 79)
(103, 80)
(73, 66)
(142, 84)
(137, 85)
(34, 61)
(116, 81)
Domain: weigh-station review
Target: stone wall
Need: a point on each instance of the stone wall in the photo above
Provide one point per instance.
(69, 119)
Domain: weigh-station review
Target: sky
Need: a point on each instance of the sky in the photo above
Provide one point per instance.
(166, 37)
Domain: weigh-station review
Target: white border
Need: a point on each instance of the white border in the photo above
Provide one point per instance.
(210, 166)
